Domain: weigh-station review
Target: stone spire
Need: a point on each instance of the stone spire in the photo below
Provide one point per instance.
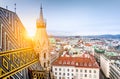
(41, 13)
(40, 22)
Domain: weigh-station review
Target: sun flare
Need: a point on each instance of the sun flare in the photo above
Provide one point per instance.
(31, 33)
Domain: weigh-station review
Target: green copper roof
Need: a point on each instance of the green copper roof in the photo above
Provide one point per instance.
(52, 40)
(111, 54)
(97, 50)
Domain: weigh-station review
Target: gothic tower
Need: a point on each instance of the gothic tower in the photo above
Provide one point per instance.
(42, 42)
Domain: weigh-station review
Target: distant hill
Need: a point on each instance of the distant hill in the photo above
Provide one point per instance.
(107, 36)
(110, 36)
(63, 34)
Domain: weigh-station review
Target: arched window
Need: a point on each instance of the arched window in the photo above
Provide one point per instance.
(44, 64)
(44, 55)
(48, 63)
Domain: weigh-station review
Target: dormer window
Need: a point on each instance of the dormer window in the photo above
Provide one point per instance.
(90, 64)
(81, 64)
(76, 63)
(64, 62)
(85, 64)
(72, 63)
(68, 62)
(60, 62)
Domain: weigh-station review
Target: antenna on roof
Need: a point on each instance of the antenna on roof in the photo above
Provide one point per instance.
(6, 7)
(15, 7)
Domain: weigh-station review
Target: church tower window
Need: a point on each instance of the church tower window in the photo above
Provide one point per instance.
(44, 55)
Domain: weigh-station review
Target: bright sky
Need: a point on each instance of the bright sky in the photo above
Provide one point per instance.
(70, 17)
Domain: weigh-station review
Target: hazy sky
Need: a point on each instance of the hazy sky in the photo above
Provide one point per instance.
(81, 17)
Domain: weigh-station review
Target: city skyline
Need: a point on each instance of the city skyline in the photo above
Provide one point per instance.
(70, 17)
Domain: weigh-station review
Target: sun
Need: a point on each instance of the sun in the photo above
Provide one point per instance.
(31, 34)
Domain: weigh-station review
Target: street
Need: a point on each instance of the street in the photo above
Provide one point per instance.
(102, 76)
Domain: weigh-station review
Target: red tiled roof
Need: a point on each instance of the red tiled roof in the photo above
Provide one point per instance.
(87, 61)
(99, 43)
(88, 44)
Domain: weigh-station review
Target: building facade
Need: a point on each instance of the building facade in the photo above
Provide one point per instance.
(13, 35)
(68, 67)
(105, 63)
(115, 70)
(106, 60)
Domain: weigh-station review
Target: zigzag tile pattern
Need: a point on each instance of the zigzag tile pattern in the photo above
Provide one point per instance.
(14, 61)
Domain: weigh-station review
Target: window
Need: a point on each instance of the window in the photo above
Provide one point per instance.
(85, 64)
(64, 62)
(89, 71)
(67, 74)
(55, 69)
(55, 73)
(90, 76)
(85, 75)
(72, 70)
(76, 70)
(81, 64)
(44, 64)
(72, 63)
(72, 74)
(63, 73)
(76, 64)
(59, 73)
(94, 71)
(85, 71)
(68, 62)
(94, 76)
(59, 77)
(44, 55)
(67, 69)
(90, 64)
(81, 75)
(59, 69)
(60, 62)
(80, 70)
(48, 63)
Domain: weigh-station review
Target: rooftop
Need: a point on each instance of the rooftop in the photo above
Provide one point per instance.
(112, 55)
(86, 61)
